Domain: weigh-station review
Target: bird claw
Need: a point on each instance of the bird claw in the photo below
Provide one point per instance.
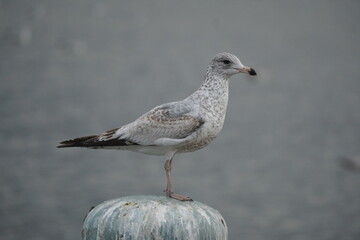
(179, 197)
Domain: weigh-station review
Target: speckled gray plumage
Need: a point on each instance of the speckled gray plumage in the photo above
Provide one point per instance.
(175, 127)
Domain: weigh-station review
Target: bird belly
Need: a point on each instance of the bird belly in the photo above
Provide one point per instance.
(202, 138)
(146, 149)
(152, 150)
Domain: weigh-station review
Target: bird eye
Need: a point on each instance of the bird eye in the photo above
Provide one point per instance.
(226, 61)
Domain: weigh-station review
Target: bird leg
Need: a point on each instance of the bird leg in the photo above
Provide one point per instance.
(168, 190)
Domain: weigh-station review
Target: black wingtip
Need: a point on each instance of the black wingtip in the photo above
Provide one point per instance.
(252, 72)
(77, 142)
(64, 146)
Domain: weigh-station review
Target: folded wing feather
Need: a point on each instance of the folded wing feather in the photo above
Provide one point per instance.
(171, 120)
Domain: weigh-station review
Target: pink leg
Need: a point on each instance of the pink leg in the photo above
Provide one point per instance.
(168, 190)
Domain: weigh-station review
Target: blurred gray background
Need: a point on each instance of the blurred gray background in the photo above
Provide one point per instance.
(73, 67)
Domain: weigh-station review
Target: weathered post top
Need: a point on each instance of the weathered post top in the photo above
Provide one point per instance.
(155, 218)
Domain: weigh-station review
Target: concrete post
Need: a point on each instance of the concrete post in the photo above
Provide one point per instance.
(155, 218)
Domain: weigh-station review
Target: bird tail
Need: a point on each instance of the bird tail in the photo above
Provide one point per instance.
(104, 140)
(78, 142)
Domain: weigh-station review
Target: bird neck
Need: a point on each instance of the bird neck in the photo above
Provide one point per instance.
(214, 90)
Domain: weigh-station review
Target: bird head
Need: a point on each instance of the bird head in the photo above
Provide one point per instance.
(227, 65)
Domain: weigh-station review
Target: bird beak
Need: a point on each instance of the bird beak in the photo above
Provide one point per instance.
(248, 70)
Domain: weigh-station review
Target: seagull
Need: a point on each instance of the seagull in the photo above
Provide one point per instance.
(175, 127)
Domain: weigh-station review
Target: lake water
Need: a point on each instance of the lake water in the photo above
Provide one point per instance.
(73, 68)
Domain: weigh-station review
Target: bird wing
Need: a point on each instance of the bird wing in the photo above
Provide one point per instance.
(172, 120)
